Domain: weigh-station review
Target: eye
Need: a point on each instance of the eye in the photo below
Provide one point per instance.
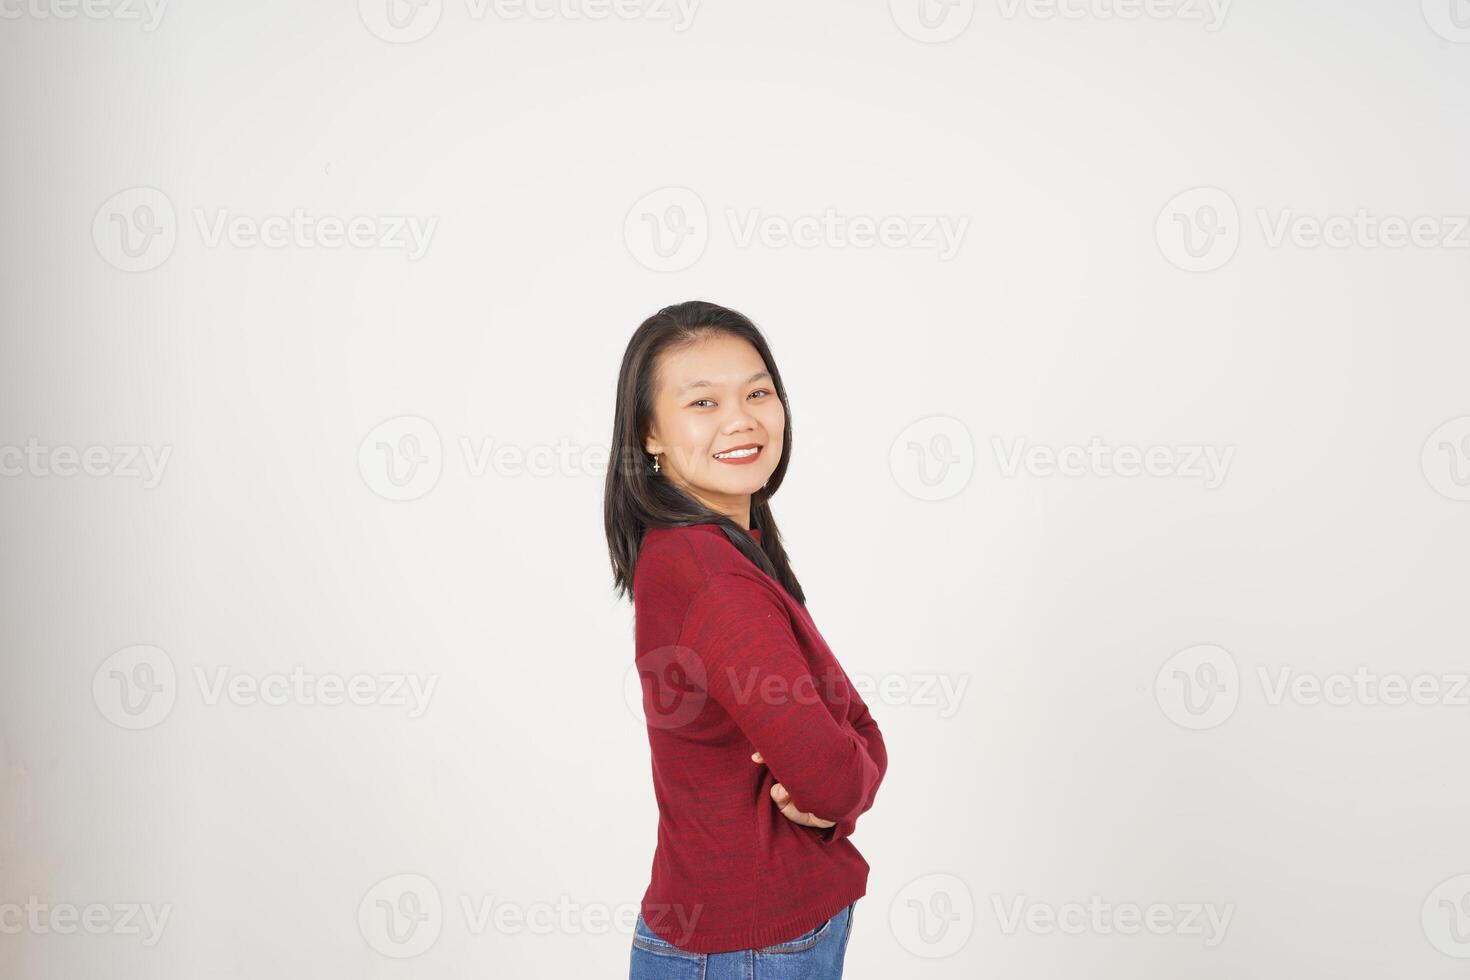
(698, 400)
(760, 391)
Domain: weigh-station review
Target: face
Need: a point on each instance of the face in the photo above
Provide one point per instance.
(713, 397)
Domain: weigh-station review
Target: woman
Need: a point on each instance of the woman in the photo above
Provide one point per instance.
(763, 753)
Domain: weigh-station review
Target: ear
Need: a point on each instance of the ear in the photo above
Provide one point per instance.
(652, 446)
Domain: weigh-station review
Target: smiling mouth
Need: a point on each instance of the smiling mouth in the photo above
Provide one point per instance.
(739, 454)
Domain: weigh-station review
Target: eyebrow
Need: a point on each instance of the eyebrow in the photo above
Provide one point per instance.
(706, 384)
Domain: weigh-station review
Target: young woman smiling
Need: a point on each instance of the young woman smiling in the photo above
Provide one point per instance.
(763, 754)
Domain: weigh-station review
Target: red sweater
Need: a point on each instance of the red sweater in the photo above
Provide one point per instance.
(731, 664)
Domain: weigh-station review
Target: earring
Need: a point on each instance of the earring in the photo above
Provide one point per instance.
(655, 464)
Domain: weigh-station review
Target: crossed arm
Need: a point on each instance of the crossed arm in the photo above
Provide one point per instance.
(825, 767)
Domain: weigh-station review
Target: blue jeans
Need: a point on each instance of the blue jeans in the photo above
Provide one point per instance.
(814, 955)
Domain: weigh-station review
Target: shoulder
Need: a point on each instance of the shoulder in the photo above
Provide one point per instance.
(675, 563)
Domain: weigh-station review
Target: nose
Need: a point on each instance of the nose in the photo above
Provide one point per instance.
(740, 421)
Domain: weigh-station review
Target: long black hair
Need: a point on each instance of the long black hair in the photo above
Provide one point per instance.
(636, 498)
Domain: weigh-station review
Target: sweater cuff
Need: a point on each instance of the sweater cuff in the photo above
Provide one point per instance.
(836, 832)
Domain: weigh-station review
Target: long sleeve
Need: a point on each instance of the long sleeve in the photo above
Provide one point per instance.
(754, 668)
(861, 722)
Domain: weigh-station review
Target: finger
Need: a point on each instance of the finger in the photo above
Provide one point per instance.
(756, 757)
(794, 815)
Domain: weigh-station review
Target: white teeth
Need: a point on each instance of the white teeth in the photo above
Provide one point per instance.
(737, 453)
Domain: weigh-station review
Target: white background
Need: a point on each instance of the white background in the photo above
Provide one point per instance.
(1333, 834)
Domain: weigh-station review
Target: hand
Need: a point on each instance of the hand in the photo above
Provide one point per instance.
(782, 799)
